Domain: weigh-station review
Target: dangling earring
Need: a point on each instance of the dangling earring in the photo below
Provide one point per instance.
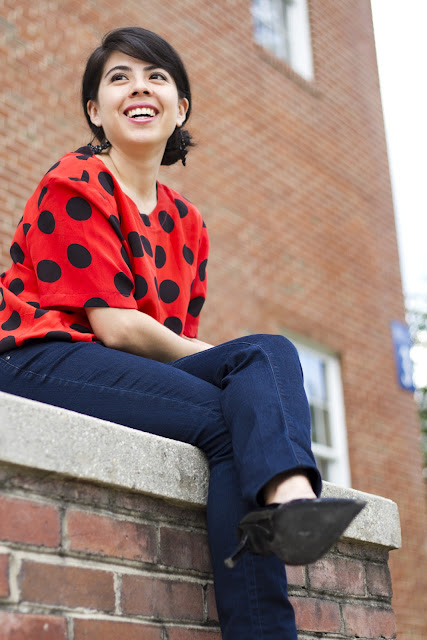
(182, 147)
(98, 148)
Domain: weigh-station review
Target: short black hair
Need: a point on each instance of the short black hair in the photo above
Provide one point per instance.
(147, 46)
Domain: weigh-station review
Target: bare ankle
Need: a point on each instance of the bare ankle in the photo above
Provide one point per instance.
(288, 486)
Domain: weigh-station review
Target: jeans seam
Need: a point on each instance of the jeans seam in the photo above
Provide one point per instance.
(114, 388)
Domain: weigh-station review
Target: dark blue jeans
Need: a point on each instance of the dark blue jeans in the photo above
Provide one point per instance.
(242, 403)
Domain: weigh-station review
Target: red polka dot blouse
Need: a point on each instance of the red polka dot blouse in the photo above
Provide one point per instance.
(83, 243)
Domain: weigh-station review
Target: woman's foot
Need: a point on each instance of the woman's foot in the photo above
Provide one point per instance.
(298, 532)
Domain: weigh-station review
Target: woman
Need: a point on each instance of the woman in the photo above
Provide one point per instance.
(99, 314)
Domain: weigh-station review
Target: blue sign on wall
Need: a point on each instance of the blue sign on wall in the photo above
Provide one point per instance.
(402, 346)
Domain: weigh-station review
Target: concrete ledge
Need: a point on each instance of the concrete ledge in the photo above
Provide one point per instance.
(47, 438)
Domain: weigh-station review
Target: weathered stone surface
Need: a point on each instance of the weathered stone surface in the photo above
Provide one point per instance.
(47, 438)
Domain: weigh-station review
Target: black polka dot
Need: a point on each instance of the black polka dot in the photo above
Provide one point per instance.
(156, 284)
(43, 192)
(48, 271)
(115, 223)
(79, 256)
(147, 246)
(195, 306)
(202, 270)
(46, 222)
(12, 323)
(145, 219)
(166, 222)
(96, 302)
(182, 208)
(160, 257)
(26, 227)
(84, 178)
(2, 301)
(53, 167)
(123, 284)
(188, 254)
(39, 313)
(168, 291)
(81, 328)
(16, 286)
(174, 324)
(20, 220)
(141, 287)
(78, 208)
(125, 257)
(135, 244)
(192, 285)
(16, 253)
(106, 181)
(58, 335)
(85, 151)
(34, 304)
(7, 343)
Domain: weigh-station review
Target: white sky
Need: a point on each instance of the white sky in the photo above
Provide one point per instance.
(400, 34)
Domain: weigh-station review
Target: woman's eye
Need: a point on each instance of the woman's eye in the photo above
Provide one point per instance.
(158, 76)
(118, 76)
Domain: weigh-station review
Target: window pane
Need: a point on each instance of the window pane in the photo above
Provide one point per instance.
(314, 376)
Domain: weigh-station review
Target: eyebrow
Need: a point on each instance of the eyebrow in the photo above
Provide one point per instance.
(123, 67)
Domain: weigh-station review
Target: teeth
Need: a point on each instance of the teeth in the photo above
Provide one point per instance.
(141, 111)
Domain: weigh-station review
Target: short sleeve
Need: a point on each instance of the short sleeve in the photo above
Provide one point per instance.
(75, 244)
(199, 287)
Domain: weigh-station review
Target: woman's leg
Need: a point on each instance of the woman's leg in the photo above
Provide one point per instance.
(182, 405)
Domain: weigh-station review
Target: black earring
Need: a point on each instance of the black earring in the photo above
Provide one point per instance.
(98, 148)
(182, 147)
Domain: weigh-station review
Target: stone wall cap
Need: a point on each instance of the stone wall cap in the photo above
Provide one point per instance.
(47, 438)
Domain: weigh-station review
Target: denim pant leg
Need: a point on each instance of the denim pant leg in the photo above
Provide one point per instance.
(266, 410)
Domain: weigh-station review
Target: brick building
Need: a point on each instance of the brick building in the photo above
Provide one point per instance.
(291, 176)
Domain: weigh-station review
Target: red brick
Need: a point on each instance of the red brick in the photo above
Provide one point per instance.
(111, 630)
(378, 580)
(4, 575)
(21, 626)
(333, 573)
(108, 536)
(211, 603)
(295, 576)
(178, 633)
(29, 522)
(317, 615)
(184, 549)
(143, 595)
(67, 586)
(369, 622)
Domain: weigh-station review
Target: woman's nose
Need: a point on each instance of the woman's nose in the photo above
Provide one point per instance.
(140, 87)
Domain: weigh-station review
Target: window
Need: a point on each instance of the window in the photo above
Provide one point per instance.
(282, 27)
(322, 383)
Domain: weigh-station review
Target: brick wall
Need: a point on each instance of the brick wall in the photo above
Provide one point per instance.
(80, 561)
(292, 179)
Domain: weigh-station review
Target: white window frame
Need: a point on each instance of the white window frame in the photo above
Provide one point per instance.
(335, 455)
(292, 27)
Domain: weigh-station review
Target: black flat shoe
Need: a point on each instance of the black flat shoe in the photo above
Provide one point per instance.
(298, 532)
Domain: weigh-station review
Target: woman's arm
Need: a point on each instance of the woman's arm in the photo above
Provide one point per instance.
(136, 332)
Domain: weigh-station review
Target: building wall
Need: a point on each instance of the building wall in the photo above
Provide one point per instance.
(292, 180)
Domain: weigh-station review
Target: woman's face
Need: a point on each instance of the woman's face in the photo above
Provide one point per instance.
(137, 103)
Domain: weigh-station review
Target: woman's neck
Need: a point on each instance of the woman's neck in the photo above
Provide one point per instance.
(136, 175)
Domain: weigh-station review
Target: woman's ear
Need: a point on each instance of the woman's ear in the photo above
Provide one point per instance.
(93, 112)
(183, 105)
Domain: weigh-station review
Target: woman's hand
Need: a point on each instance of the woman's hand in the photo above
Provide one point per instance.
(136, 332)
